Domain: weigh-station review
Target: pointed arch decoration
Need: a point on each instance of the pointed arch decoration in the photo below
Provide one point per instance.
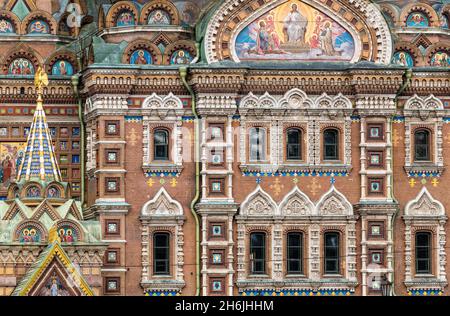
(259, 203)
(296, 203)
(424, 205)
(162, 205)
(361, 20)
(334, 203)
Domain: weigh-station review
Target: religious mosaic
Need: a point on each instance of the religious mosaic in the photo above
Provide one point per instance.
(295, 31)
(21, 66)
(11, 155)
(181, 56)
(141, 57)
(62, 68)
(38, 27)
(403, 58)
(6, 26)
(29, 234)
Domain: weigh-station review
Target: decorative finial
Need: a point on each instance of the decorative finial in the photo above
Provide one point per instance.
(40, 81)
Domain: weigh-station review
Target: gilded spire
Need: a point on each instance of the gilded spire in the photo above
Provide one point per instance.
(39, 162)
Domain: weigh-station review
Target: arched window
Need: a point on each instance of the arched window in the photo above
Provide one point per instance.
(331, 253)
(295, 253)
(331, 144)
(423, 252)
(293, 144)
(161, 144)
(161, 253)
(422, 145)
(258, 253)
(257, 144)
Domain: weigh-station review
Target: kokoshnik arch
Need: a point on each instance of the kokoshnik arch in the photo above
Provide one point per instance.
(250, 147)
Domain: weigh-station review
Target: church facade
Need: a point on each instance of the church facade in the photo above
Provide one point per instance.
(251, 147)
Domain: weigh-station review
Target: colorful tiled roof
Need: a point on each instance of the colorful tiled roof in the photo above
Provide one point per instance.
(39, 162)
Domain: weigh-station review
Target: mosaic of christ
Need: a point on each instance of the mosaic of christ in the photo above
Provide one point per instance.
(295, 31)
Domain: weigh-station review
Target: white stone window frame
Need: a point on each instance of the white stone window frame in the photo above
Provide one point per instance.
(429, 112)
(165, 112)
(162, 213)
(259, 210)
(295, 106)
(428, 214)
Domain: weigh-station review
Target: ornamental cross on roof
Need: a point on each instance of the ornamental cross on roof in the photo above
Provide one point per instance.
(39, 161)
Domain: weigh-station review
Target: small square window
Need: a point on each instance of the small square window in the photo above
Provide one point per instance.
(64, 131)
(75, 158)
(112, 128)
(376, 256)
(75, 145)
(217, 230)
(376, 230)
(76, 187)
(26, 131)
(63, 172)
(112, 227)
(375, 131)
(375, 186)
(216, 157)
(112, 156)
(375, 158)
(15, 131)
(217, 285)
(75, 173)
(53, 131)
(217, 256)
(75, 131)
(217, 186)
(63, 159)
(112, 185)
(216, 132)
(112, 256)
(3, 132)
(63, 145)
(112, 285)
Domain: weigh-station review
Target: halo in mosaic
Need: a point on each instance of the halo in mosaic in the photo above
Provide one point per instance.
(62, 68)
(125, 18)
(403, 58)
(181, 56)
(440, 59)
(21, 66)
(295, 31)
(159, 17)
(417, 19)
(141, 57)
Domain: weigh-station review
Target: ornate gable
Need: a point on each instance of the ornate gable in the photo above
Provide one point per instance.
(53, 274)
(296, 203)
(334, 203)
(424, 205)
(258, 203)
(162, 205)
